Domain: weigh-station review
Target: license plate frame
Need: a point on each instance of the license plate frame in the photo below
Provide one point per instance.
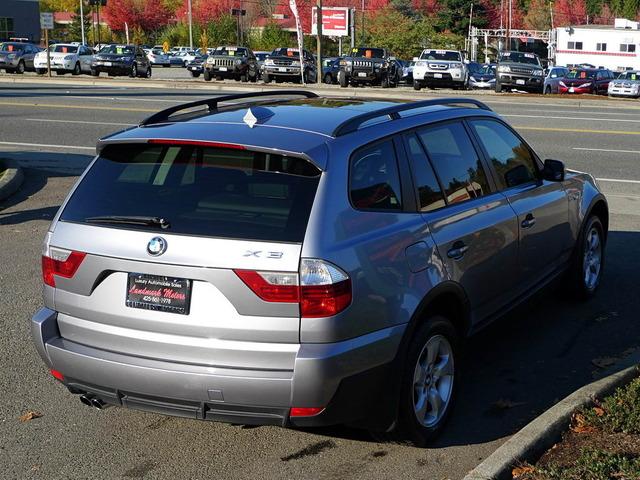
(158, 293)
(282, 69)
(362, 74)
(437, 75)
(222, 69)
(520, 82)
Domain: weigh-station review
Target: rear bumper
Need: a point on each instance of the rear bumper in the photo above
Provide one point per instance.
(341, 377)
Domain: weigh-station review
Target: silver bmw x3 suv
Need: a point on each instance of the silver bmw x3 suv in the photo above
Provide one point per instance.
(294, 260)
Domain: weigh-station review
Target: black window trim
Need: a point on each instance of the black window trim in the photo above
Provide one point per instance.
(485, 155)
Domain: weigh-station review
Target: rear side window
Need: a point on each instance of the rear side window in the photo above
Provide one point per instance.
(511, 158)
(374, 179)
(202, 191)
(429, 192)
(456, 162)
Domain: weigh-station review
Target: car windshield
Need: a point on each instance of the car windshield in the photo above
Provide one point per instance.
(487, 70)
(285, 52)
(630, 76)
(63, 49)
(231, 52)
(368, 52)
(441, 55)
(157, 51)
(520, 57)
(199, 190)
(581, 74)
(11, 47)
(118, 50)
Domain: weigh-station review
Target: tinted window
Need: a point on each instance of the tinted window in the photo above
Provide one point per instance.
(456, 162)
(444, 55)
(510, 156)
(200, 191)
(429, 192)
(374, 178)
(367, 52)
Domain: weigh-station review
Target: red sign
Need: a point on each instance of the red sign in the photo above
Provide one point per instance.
(335, 21)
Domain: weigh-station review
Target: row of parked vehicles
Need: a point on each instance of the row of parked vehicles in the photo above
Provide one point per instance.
(362, 67)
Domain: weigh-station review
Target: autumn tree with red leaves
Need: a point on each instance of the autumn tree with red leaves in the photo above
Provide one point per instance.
(145, 14)
(569, 12)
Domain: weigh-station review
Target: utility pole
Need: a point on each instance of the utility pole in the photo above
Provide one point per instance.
(190, 27)
(470, 20)
(509, 27)
(98, 9)
(82, 22)
(319, 41)
(362, 35)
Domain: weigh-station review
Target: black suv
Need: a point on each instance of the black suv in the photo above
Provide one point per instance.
(369, 66)
(238, 63)
(121, 60)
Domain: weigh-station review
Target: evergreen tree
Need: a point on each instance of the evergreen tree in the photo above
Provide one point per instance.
(454, 16)
(405, 7)
(538, 16)
(75, 28)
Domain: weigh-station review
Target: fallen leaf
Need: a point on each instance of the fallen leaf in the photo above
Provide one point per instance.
(505, 403)
(599, 411)
(579, 424)
(30, 415)
(604, 362)
(520, 471)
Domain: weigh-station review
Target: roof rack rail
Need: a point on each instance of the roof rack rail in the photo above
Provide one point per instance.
(212, 103)
(393, 112)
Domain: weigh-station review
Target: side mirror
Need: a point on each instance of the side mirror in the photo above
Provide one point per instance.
(554, 170)
(393, 59)
(415, 59)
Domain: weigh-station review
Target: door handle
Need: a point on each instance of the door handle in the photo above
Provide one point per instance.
(457, 250)
(529, 221)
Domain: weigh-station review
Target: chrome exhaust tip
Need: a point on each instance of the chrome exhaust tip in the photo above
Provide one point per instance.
(99, 404)
(86, 400)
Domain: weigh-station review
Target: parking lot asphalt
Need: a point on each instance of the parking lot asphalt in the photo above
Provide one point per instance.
(515, 369)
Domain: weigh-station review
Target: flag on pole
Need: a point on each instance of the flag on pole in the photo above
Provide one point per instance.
(294, 9)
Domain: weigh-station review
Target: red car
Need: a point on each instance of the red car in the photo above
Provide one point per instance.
(586, 80)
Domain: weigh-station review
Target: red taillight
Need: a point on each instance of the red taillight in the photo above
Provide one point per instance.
(61, 263)
(320, 288)
(305, 412)
(57, 375)
(324, 300)
(272, 286)
(197, 143)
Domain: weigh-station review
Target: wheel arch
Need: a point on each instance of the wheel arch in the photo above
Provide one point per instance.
(599, 207)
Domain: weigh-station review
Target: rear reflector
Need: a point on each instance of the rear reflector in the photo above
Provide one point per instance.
(63, 263)
(57, 375)
(305, 412)
(321, 289)
(197, 143)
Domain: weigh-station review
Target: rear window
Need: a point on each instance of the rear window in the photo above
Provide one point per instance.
(216, 192)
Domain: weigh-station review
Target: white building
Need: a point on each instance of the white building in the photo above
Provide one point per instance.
(614, 47)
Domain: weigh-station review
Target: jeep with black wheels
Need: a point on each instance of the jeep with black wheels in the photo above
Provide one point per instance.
(521, 71)
(284, 65)
(369, 66)
(237, 63)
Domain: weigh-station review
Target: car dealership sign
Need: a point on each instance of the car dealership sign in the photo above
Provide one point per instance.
(335, 21)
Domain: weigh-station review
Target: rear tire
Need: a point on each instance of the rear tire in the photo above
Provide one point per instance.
(429, 382)
(195, 74)
(20, 69)
(498, 87)
(266, 78)
(148, 75)
(417, 86)
(588, 262)
(94, 73)
(134, 71)
(328, 79)
(41, 71)
(76, 69)
(547, 90)
(243, 78)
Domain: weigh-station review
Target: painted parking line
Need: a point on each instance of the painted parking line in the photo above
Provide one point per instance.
(46, 145)
(81, 122)
(576, 130)
(78, 107)
(547, 117)
(637, 152)
(618, 180)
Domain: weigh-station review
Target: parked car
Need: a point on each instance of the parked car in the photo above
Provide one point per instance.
(175, 50)
(330, 69)
(484, 77)
(586, 80)
(440, 68)
(196, 68)
(234, 62)
(186, 57)
(519, 70)
(121, 60)
(64, 58)
(158, 58)
(407, 73)
(17, 57)
(283, 64)
(369, 66)
(330, 286)
(626, 85)
(175, 60)
(552, 79)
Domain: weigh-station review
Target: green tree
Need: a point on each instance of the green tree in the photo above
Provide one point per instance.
(405, 7)
(272, 36)
(630, 9)
(59, 5)
(453, 16)
(74, 31)
(223, 30)
(538, 16)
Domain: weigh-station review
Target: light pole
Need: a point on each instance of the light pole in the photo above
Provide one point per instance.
(319, 43)
(82, 22)
(362, 36)
(190, 28)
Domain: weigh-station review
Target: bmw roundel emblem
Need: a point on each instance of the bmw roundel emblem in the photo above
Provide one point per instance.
(157, 246)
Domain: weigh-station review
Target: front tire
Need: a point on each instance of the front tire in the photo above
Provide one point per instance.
(149, 72)
(328, 79)
(195, 74)
(342, 79)
(134, 71)
(206, 75)
(41, 71)
(429, 382)
(94, 73)
(588, 260)
(547, 90)
(417, 86)
(76, 69)
(20, 69)
(266, 78)
(498, 87)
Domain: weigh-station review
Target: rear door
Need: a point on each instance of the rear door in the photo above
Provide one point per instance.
(167, 289)
(474, 227)
(542, 206)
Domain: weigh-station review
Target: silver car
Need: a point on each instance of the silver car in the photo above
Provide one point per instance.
(626, 85)
(295, 260)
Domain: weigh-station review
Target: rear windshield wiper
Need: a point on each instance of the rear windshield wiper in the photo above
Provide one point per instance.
(131, 220)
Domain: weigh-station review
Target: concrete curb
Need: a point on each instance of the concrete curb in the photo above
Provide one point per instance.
(542, 433)
(12, 179)
(322, 89)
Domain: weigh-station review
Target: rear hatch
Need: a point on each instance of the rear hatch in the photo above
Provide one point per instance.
(156, 249)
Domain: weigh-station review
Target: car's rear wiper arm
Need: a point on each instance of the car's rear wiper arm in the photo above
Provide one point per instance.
(131, 220)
